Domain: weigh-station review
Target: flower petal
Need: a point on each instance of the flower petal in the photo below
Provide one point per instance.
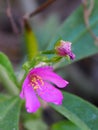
(71, 55)
(52, 77)
(47, 74)
(25, 83)
(64, 49)
(32, 102)
(50, 94)
(43, 68)
(21, 94)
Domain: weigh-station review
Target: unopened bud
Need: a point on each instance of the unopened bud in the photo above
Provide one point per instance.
(63, 48)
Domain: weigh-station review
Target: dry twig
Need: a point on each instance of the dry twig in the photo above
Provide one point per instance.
(10, 16)
(39, 9)
(27, 16)
(87, 13)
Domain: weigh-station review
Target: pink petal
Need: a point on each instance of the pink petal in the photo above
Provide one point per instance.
(52, 77)
(21, 94)
(32, 102)
(47, 74)
(47, 68)
(50, 94)
(25, 83)
(64, 49)
(66, 45)
(72, 55)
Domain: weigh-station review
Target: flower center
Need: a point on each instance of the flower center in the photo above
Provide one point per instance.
(36, 81)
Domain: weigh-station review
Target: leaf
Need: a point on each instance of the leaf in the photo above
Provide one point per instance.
(80, 112)
(3, 97)
(5, 79)
(46, 30)
(36, 124)
(7, 75)
(73, 29)
(64, 125)
(31, 42)
(9, 114)
(4, 61)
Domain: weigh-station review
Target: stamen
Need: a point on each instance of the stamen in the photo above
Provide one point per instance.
(36, 81)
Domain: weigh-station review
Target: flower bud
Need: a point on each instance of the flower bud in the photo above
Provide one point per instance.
(63, 48)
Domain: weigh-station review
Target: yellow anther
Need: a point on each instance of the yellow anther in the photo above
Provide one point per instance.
(36, 87)
(36, 81)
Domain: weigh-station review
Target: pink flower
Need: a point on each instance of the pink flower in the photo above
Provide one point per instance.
(39, 82)
(64, 49)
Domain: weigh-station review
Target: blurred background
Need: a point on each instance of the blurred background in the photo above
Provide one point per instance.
(82, 75)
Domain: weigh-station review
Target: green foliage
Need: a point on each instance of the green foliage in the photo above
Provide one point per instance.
(64, 125)
(7, 75)
(36, 124)
(80, 112)
(9, 114)
(45, 31)
(6, 64)
(31, 42)
(6, 80)
(3, 97)
(73, 29)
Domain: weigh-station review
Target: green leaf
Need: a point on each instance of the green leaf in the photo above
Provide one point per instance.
(4, 61)
(64, 125)
(3, 97)
(31, 42)
(80, 112)
(6, 80)
(37, 124)
(9, 114)
(74, 30)
(46, 30)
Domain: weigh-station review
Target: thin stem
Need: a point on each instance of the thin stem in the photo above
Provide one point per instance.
(10, 16)
(87, 13)
(26, 16)
(47, 52)
(39, 9)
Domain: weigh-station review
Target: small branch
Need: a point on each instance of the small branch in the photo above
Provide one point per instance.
(87, 13)
(10, 16)
(91, 7)
(38, 10)
(41, 8)
(26, 16)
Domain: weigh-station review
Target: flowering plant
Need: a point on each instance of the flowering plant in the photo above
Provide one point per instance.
(38, 82)
(40, 86)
